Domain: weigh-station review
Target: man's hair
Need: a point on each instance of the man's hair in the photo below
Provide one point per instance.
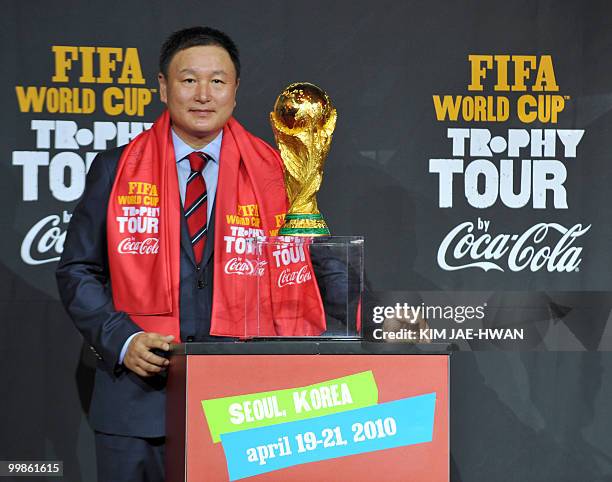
(194, 37)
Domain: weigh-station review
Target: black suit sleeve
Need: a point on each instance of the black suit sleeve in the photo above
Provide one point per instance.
(83, 276)
(340, 287)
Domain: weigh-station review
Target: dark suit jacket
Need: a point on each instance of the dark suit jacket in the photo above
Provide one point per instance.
(123, 403)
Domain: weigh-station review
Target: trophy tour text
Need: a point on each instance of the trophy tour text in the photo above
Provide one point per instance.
(70, 118)
(497, 162)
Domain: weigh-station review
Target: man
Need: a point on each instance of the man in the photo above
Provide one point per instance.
(160, 222)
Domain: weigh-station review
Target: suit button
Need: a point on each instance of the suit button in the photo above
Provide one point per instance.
(201, 284)
(95, 353)
(189, 339)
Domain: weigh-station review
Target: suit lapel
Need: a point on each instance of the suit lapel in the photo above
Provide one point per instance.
(185, 240)
(210, 237)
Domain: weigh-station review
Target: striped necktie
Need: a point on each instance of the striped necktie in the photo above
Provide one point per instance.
(196, 203)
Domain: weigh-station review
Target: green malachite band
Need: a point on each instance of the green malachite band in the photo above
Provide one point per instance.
(303, 216)
(293, 231)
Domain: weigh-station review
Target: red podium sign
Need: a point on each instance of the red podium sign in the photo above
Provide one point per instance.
(309, 418)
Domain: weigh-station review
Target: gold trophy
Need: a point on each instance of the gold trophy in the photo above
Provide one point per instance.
(303, 121)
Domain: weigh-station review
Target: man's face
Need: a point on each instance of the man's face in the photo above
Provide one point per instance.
(200, 93)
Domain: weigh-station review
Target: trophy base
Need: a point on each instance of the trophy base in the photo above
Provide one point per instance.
(304, 225)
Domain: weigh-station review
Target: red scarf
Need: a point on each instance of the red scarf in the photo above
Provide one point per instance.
(143, 236)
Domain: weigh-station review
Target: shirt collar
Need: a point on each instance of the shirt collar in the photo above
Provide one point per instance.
(182, 149)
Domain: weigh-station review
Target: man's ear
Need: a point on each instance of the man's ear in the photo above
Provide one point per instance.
(163, 86)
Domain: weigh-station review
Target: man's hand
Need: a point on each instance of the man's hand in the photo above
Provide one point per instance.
(141, 360)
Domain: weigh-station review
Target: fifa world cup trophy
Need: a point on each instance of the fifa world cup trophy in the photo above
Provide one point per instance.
(303, 121)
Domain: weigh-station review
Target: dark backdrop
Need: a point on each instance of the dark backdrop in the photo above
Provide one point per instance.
(515, 416)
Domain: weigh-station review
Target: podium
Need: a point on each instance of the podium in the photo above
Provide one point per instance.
(307, 410)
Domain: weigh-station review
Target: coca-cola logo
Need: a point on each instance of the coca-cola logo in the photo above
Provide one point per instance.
(131, 246)
(289, 277)
(548, 246)
(44, 242)
(243, 266)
